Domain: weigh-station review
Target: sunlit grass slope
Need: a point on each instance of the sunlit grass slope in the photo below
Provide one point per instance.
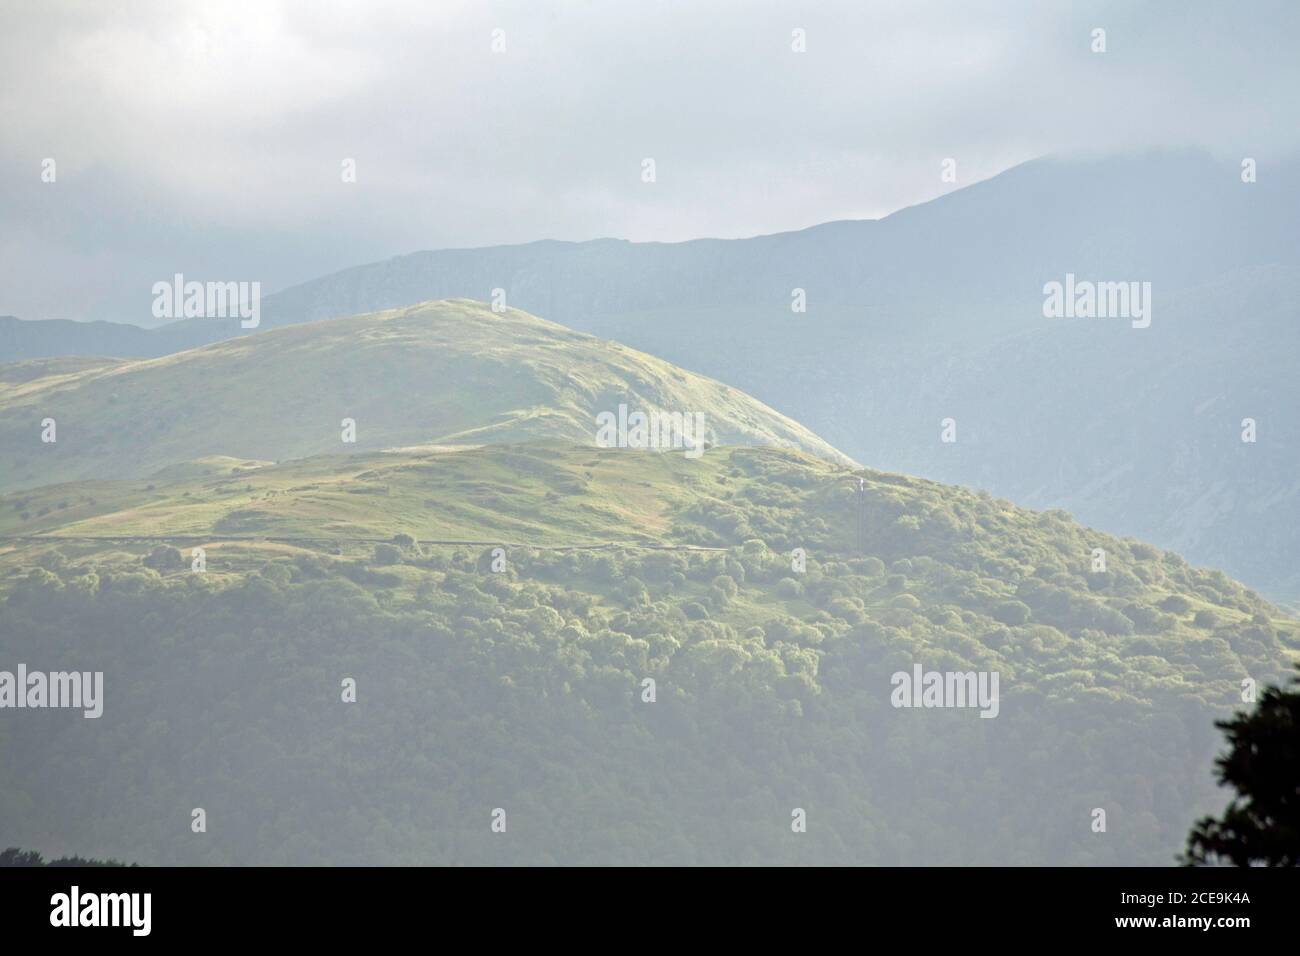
(449, 372)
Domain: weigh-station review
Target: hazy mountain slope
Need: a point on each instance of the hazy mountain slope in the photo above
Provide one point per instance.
(451, 372)
(1135, 431)
(21, 339)
(523, 689)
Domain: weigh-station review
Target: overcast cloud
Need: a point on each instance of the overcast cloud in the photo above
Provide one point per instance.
(207, 138)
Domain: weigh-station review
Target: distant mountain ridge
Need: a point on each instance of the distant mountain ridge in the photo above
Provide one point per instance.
(1209, 224)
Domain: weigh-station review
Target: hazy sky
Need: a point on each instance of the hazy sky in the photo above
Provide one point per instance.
(208, 138)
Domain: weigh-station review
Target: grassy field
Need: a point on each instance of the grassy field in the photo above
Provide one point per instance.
(550, 495)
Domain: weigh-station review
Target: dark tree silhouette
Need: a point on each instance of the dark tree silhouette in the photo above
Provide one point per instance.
(13, 856)
(1261, 826)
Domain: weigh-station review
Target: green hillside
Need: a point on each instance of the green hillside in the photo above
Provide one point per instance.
(449, 372)
(523, 688)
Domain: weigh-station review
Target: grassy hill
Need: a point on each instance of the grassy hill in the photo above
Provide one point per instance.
(524, 688)
(440, 372)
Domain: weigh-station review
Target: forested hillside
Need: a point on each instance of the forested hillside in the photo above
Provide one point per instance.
(515, 679)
